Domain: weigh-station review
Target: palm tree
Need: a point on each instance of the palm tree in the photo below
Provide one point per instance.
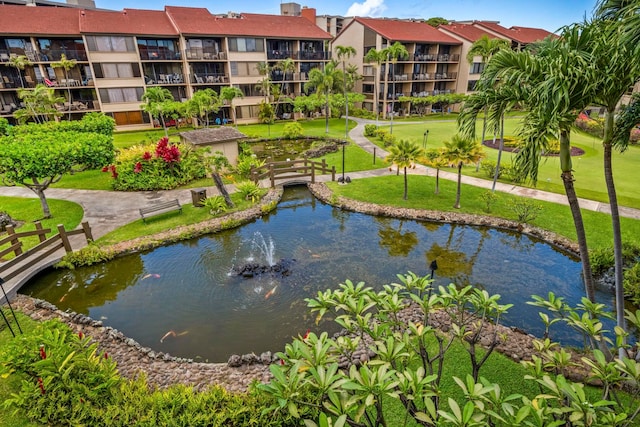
(204, 102)
(67, 65)
(376, 58)
(264, 85)
(155, 102)
(627, 12)
(344, 53)
(485, 48)
(40, 104)
(229, 93)
(433, 158)
(325, 82)
(458, 152)
(554, 85)
(393, 53)
(19, 62)
(618, 70)
(404, 154)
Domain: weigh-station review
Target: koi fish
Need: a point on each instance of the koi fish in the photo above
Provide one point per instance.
(271, 292)
(306, 335)
(63, 297)
(154, 275)
(173, 333)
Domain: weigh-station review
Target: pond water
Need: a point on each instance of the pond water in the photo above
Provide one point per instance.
(190, 287)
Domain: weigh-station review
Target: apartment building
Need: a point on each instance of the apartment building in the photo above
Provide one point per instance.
(431, 68)
(120, 54)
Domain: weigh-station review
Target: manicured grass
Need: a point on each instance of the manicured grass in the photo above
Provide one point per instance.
(389, 190)
(28, 210)
(588, 168)
(190, 215)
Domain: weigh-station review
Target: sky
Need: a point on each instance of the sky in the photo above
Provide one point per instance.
(547, 14)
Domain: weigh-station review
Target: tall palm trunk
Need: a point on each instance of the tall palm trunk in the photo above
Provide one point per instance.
(458, 190)
(484, 133)
(574, 205)
(385, 91)
(326, 114)
(405, 184)
(500, 149)
(615, 221)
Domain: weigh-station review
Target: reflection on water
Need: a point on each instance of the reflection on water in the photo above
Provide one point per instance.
(182, 298)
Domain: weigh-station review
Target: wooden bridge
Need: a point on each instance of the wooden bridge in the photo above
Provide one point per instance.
(24, 260)
(292, 170)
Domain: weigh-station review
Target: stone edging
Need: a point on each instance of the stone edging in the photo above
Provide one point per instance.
(163, 369)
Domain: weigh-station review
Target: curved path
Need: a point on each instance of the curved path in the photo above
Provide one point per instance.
(107, 210)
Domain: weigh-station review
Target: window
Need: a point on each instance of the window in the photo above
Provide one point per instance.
(116, 70)
(471, 85)
(129, 118)
(110, 44)
(241, 44)
(244, 68)
(121, 94)
(477, 68)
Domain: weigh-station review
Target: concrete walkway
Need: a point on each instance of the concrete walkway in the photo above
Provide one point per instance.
(107, 210)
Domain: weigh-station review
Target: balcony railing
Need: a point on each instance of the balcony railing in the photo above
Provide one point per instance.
(200, 55)
(281, 54)
(211, 78)
(307, 56)
(420, 57)
(430, 93)
(164, 79)
(159, 55)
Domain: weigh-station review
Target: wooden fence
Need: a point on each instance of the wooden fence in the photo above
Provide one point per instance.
(27, 259)
(291, 169)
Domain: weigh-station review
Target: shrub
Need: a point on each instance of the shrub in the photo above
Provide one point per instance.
(4, 126)
(215, 204)
(93, 122)
(635, 136)
(389, 140)
(89, 255)
(591, 126)
(512, 173)
(156, 167)
(489, 168)
(370, 130)
(249, 190)
(489, 198)
(631, 283)
(293, 130)
(245, 163)
(601, 259)
(526, 210)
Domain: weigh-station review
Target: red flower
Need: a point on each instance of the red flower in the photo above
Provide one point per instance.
(80, 335)
(41, 385)
(43, 354)
(306, 335)
(105, 168)
(168, 153)
(282, 362)
(146, 156)
(106, 355)
(137, 168)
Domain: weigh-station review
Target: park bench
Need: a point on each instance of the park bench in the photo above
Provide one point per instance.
(160, 208)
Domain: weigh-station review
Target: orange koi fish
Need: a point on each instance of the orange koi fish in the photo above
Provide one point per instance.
(271, 292)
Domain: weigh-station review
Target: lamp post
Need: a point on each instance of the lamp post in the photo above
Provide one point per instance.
(424, 139)
(343, 179)
(433, 266)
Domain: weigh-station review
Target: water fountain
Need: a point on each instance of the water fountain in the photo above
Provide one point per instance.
(266, 249)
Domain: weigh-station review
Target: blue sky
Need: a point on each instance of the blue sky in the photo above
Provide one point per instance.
(547, 14)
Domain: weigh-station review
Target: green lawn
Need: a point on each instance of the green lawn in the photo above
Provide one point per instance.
(554, 217)
(588, 168)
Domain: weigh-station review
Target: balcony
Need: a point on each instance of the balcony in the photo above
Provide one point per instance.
(309, 56)
(446, 76)
(164, 79)
(195, 54)
(281, 54)
(428, 57)
(204, 79)
(159, 55)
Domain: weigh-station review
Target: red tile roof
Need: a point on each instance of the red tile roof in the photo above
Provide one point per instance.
(522, 35)
(129, 21)
(276, 26)
(406, 31)
(466, 31)
(28, 20)
(192, 20)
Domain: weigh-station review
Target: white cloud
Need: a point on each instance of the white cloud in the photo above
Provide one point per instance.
(367, 8)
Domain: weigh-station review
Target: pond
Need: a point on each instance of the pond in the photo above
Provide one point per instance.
(186, 299)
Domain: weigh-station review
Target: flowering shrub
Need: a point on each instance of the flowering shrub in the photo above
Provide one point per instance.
(159, 166)
(635, 136)
(589, 125)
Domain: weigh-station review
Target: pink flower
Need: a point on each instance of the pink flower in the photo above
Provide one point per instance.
(146, 156)
(41, 385)
(43, 354)
(137, 168)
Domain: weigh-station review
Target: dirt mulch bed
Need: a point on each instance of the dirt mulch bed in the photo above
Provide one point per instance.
(575, 151)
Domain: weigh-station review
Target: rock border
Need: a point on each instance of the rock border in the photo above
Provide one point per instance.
(163, 370)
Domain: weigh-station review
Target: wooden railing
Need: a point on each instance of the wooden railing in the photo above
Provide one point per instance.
(26, 259)
(291, 169)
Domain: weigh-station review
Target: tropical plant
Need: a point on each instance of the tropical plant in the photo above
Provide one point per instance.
(292, 130)
(220, 163)
(19, 62)
(40, 104)
(156, 102)
(325, 82)
(229, 93)
(343, 53)
(391, 54)
(249, 190)
(67, 65)
(458, 152)
(376, 58)
(404, 154)
(38, 159)
(215, 204)
(433, 158)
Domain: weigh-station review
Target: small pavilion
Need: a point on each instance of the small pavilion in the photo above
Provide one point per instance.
(224, 139)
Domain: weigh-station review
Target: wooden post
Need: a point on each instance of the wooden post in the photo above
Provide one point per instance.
(41, 236)
(87, 231)
(333, 173)
(64, 238)
(313, 173)
(272, 175)
(14, 241)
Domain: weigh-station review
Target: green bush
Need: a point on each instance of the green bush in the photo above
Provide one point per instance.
(370, 130)
(249, 190)
(93, 122)
(489, 198)
(156, 167)
(526, 210)
(631, 283)
(215, 204)
(293, 130)
(89, 255)
(4, 126)
(601, 260)
(489, 168)
(389, 140)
